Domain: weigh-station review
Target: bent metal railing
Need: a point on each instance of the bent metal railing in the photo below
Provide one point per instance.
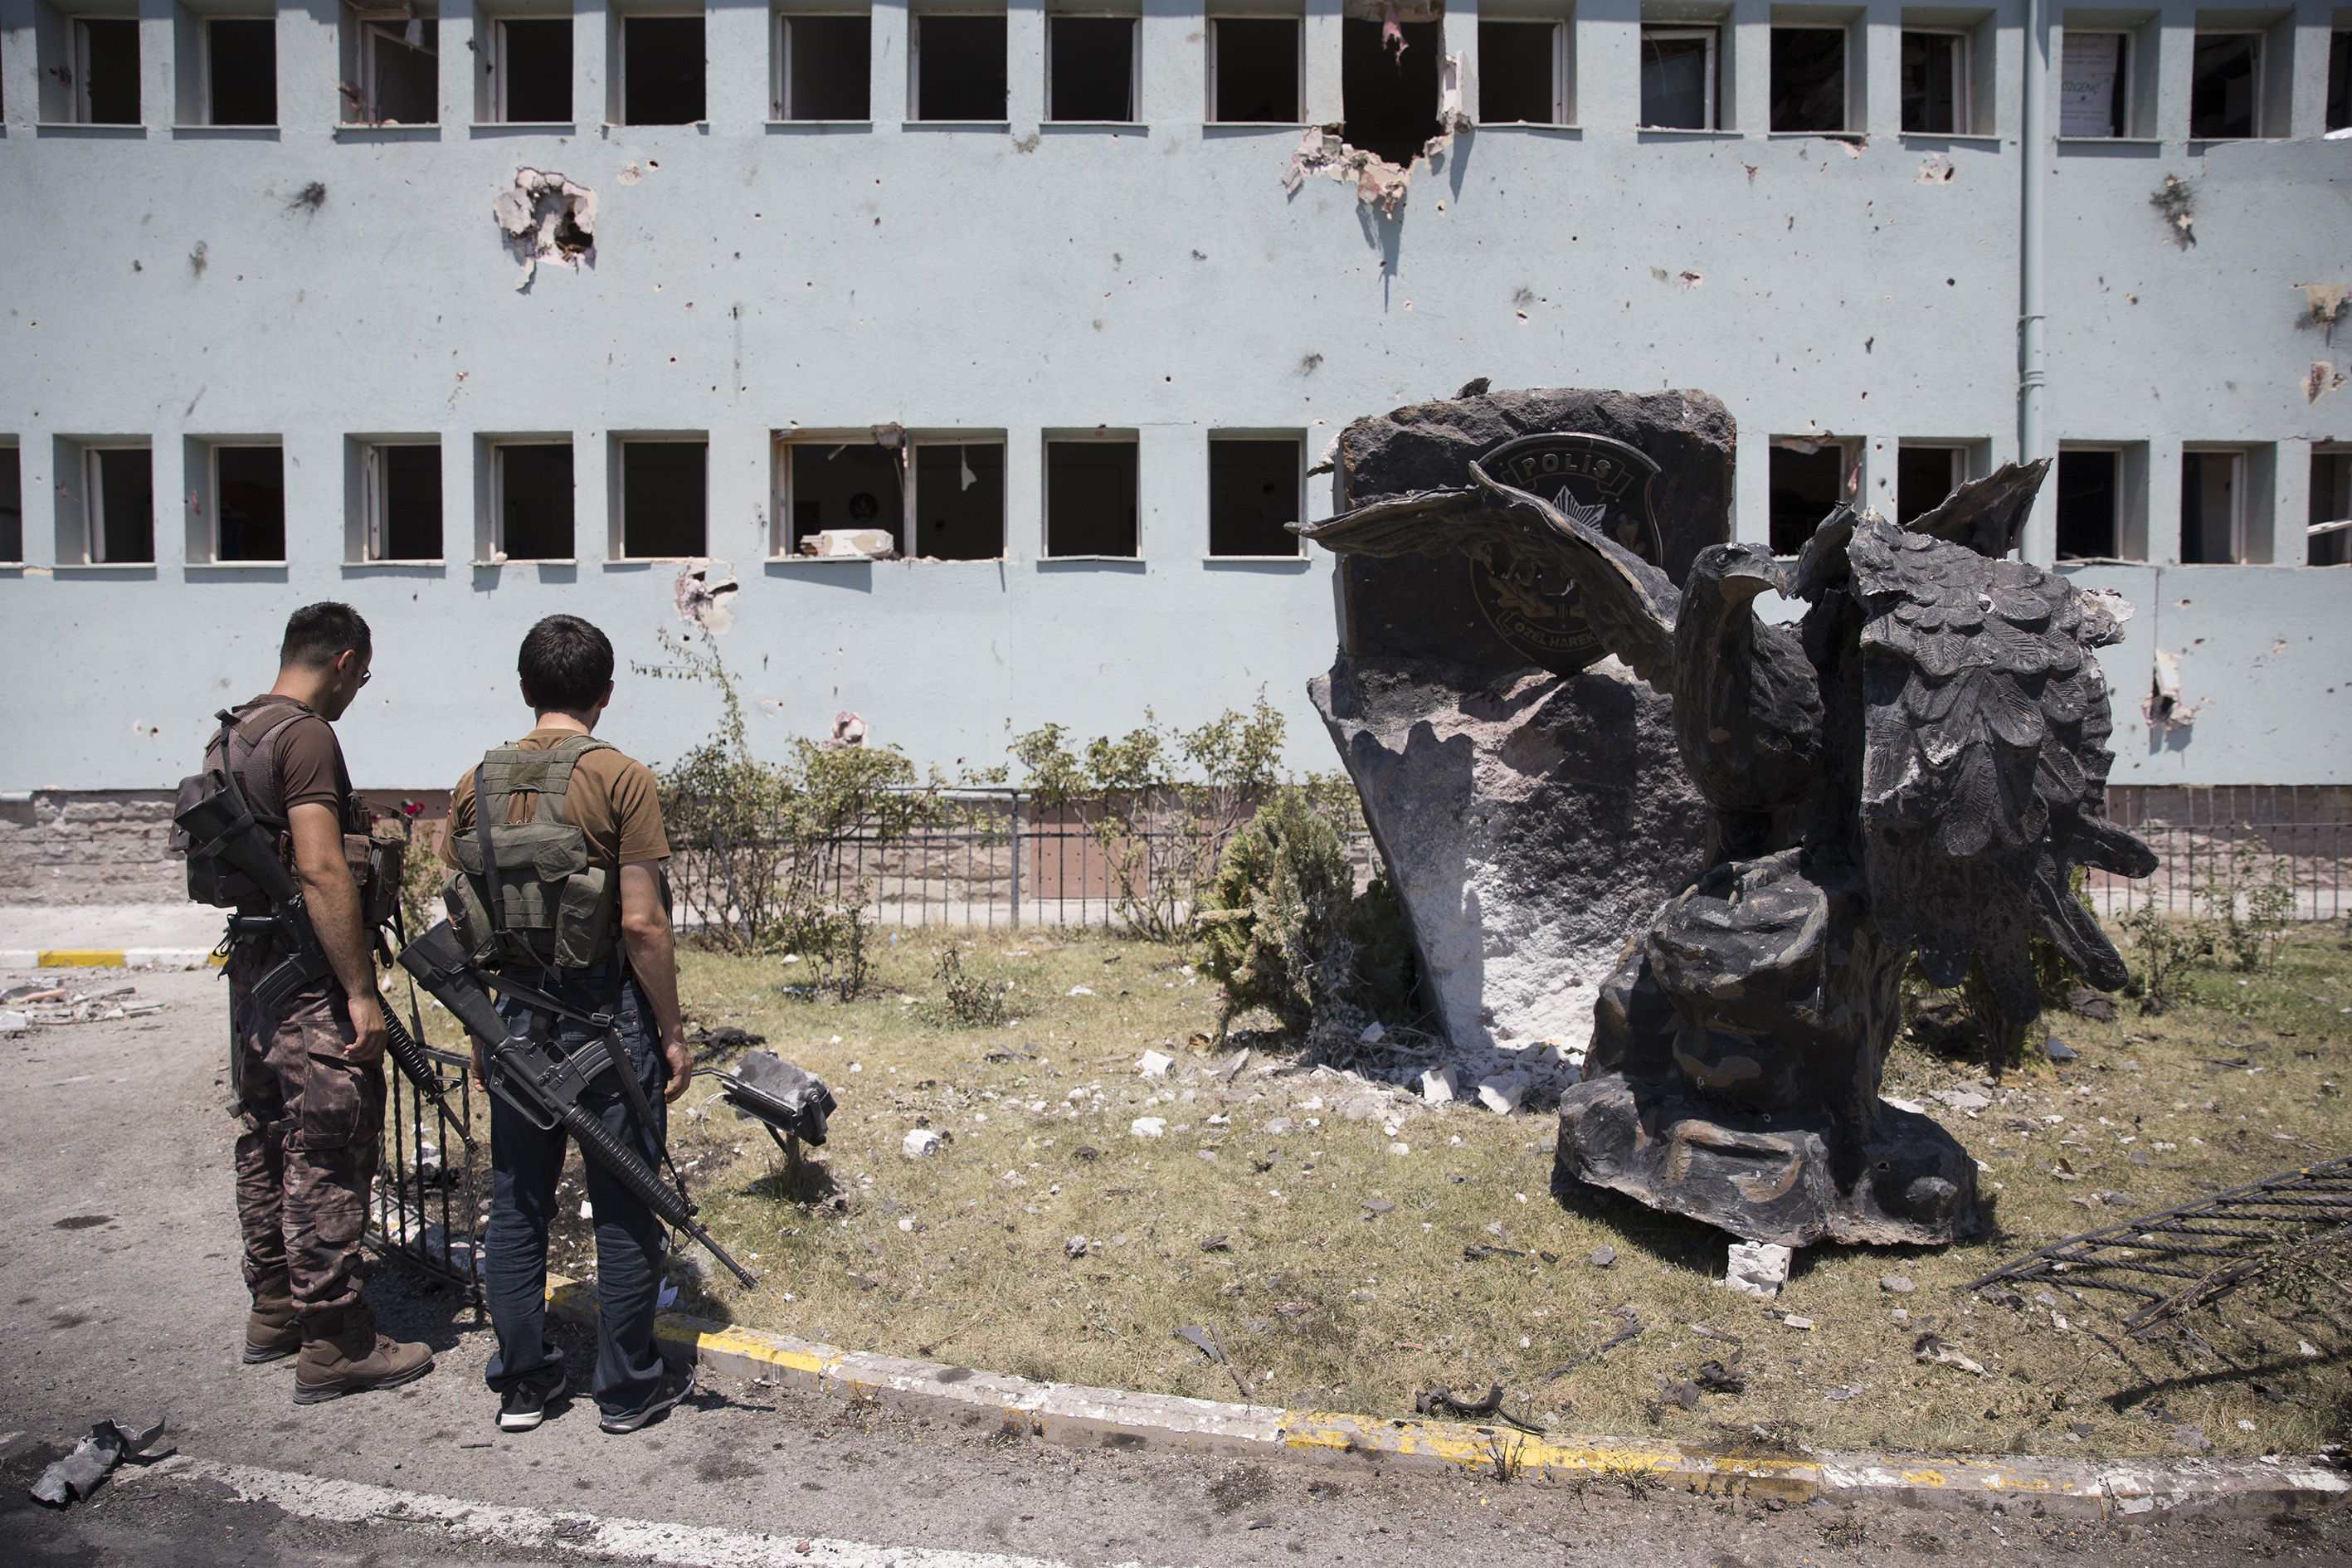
(430, 1190)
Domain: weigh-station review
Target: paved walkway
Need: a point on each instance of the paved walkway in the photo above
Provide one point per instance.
(120, 1265)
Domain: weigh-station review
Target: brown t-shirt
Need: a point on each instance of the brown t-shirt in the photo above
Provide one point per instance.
(611, 800)
(307, 759)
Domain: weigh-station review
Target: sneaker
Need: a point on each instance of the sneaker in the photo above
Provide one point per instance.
(671, 1389)
(524, 1406)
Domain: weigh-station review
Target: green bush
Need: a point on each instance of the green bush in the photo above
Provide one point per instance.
(1283, 928)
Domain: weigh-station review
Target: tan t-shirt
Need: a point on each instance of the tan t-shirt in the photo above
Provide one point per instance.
(611, 800)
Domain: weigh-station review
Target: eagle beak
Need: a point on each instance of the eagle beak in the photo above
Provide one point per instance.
(1746, 578)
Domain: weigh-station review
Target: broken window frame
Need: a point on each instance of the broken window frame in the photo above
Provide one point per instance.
(916, 22)
(1298, 60)
(1292, 439)
(1956, 453)
(1676, 32)
(912, 540)
(1563, 69)
(1849, 59)
(784, 532)
(619, 56)
(370, 30)
(495, 100)
(1134, 65)
(2255, 39)
(374, 500)
(94, 538)
(209, 111)
(77, 99)
(2328, 540)
(211, 530)
(1849, 451)
(1964, 43)
(1103, 436)
(780, 94)
(2127, 529)
(2242, 543)
(2122, 104)
(494, 535)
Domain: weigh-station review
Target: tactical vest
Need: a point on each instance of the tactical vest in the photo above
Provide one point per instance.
(551, 908)
(243, 756)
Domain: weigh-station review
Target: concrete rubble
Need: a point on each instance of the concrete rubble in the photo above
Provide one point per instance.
(1758, 1268)
(78, 1475)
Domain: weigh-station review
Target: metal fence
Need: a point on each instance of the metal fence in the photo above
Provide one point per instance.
(2236, 838)
(431, 1190)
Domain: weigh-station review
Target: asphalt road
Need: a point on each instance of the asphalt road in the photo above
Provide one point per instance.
(118, 1258)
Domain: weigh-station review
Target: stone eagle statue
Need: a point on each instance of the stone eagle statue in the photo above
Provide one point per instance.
(1917, 764)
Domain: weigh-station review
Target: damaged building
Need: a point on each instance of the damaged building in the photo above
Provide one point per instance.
(985, 350)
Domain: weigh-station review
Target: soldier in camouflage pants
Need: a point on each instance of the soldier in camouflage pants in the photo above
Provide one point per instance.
(314, 1127)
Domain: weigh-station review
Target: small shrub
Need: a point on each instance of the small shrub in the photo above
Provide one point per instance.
(1283, 928)
(2166, 948)
(976, 1003)
(2265, 893)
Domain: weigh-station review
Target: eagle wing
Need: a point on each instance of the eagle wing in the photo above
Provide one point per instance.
(1985, 765)
(1630, 604)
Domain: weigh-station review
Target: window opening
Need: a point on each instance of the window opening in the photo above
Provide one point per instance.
(1808, 78)
(1520, 73)
(1924, 476)
(249, 503)
(1389, 94)
(400, 497)
(852, 484)
(2090, 506)
(662, 493)
(399, 71)
(661, 70)
(1936, 83)
(531, 75)
(534, 493)
(960, 500)
(2331, 507)
(1253, 66)
(240, 71)
(959, 67)
(12, 504)
(120, 483)
(1090, 498)
(1679, 77)
(827, 70)
(1805, 488)
(2212, 508)
(1254, 493)
(1090, 68)
(2224, 78)
(105, 70)
(2339, 81)
(2094, 85)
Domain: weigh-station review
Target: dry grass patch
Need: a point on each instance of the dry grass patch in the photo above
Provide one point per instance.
(1047, 1239)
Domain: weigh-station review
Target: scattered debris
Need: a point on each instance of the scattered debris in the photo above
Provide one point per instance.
(1232, 1069)
(2192, 1437)
(1932, 1349)
(1438, 1086)
(2085, 1003)
(1221, 1242)
(1076, 1246)
(1502, 1095)
(1604, 1257)
(1717, 1378)
(77, 1474)
(922, 1140)
(1155, 1064)
(1148, 1127)
(546, 217)
(1443, 1401)
(1896, 1284)
(725, 1037)
(1632, 1328)
(849, 544)
(2058, 1050)
(1758, 1268)
(1206, 1343)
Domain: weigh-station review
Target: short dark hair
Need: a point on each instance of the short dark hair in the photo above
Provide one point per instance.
(564, 665)
(316, 635)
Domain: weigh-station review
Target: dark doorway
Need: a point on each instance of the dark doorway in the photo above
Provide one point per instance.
(1090, 498)
(959, 500)
(535, 501)
(1806, 486)
(1257, 70)
(661, 70)
(242, 84)
(959, 67)
(662, 489)
(1253, 494)
(1390, 98)
(249, 485)
(828, 68)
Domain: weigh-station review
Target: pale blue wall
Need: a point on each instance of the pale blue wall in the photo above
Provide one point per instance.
(1021, 286)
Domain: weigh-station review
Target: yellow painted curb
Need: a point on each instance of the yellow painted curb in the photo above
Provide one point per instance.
(79, 958)
(1102, 1417)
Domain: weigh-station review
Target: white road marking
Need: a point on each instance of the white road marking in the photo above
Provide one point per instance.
(688, 1545)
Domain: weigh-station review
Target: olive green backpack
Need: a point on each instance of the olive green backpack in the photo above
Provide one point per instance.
(552, 906)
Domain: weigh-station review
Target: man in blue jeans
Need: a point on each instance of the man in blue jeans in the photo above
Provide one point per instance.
(598, 940)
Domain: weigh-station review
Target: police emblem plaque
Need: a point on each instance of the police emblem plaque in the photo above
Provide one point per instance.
(1598, 481)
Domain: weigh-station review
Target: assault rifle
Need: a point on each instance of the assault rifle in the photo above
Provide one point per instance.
(220, 826)
(544, 1086)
